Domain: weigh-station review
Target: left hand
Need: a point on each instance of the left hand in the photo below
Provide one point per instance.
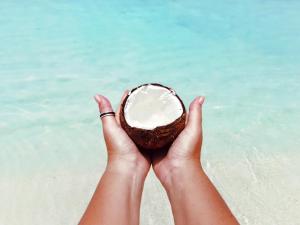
(123, 154)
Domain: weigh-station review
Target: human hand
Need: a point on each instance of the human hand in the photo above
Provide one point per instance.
(193, 197)
(121, 185)
(123, 155)
(184, 153)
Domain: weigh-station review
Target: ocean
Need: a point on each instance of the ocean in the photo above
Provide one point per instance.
(243, 56)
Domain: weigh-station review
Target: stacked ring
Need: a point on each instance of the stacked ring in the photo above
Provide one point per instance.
(107, 114)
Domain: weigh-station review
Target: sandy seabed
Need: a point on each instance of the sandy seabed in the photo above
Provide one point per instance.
(260, 190)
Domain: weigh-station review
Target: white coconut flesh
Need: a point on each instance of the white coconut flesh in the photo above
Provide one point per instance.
(151, 106)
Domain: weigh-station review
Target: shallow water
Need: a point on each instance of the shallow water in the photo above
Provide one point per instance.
(242, 55)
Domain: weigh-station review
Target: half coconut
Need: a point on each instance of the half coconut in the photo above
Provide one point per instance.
(153, 115)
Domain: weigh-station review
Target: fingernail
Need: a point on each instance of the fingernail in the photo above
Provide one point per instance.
(201, 100)
(97, 99)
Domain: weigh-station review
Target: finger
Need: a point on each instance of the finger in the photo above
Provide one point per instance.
(119, 107)
(195, 114)
(186, 118)
(105, 106)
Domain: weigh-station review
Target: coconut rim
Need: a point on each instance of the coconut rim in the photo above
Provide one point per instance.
(158, 127)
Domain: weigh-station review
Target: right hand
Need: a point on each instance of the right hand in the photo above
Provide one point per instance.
(185, 150)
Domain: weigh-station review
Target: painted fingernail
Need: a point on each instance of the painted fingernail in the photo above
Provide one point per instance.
(97, 98)
(201, 100)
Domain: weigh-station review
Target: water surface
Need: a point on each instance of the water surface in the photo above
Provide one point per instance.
(242, 55)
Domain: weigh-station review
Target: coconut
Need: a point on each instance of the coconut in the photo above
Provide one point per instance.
(152, 115)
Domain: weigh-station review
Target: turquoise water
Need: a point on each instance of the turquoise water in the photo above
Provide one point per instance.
(242, 55)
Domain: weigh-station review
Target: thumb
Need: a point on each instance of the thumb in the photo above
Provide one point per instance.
(195, 115)
(105, 106)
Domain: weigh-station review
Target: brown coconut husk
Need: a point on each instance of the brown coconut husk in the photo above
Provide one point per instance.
(158, 137)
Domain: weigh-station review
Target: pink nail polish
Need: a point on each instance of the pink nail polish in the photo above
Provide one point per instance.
(97, 99)
(201, 100)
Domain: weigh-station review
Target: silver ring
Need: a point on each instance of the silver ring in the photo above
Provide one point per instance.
(107, 114)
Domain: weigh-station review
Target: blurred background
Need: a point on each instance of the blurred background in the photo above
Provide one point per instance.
(244, 56)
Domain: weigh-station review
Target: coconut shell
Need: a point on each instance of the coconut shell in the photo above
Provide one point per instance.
(158, 137)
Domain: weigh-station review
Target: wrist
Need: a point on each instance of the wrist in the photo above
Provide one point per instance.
(125, 168)
(176, 171)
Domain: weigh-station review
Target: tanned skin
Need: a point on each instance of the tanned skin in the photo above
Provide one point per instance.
(117, 198)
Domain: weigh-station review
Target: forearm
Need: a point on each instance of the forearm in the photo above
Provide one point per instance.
(194, 199)
(116, 200)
